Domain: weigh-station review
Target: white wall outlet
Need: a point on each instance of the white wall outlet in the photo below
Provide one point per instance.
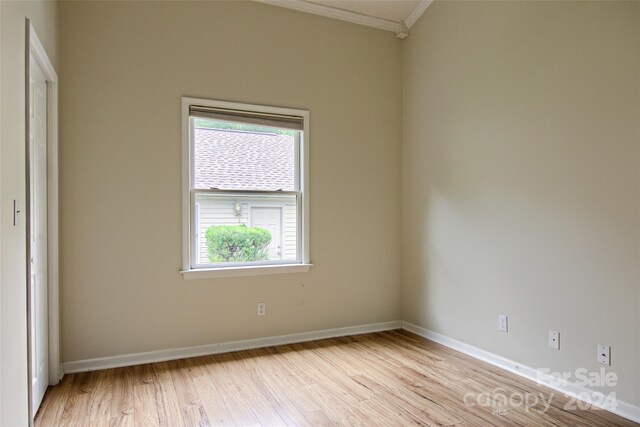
(604, 354)
(554, 339)
(503, 323)
(262, 308)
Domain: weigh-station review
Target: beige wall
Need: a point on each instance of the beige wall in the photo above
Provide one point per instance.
(521, 180)
(13, 316)
(125, 66)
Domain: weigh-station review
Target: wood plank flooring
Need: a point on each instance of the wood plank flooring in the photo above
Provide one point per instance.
(388, 379)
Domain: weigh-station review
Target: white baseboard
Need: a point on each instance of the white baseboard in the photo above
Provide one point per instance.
(624, 409)
(225, 347)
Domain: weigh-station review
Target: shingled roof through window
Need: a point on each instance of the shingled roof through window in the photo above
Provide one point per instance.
(238, 160)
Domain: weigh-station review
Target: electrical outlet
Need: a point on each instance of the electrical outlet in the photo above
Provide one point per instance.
(262, 308)
(604, 354)
(503, 323)
(554, 339)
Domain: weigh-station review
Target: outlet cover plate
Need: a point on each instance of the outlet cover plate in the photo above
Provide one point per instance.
(554, 339)
(503, 323)
(604, 354)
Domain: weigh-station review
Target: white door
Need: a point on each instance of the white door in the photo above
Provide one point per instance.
(271, 220)
(38, 303)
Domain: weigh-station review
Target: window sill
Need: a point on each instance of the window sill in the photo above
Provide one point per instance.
(254, 270)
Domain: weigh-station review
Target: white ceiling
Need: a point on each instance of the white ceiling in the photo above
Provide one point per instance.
(391, 15)
(392, 10)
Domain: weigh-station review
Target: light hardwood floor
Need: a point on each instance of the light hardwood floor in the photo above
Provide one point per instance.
(389, 378)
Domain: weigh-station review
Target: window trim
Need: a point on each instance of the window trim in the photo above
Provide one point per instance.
(303, 263)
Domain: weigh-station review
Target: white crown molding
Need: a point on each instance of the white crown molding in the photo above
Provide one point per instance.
(335, 13)
(417, 12)
(579, 392)
(225, 347)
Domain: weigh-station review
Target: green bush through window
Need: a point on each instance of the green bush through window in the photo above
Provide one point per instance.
(237, 243)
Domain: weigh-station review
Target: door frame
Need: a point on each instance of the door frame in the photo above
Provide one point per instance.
(35, 48)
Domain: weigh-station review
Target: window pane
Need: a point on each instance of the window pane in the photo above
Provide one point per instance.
(238, 156)
(245, 228)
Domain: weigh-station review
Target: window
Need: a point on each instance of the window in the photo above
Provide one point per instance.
(245, 189)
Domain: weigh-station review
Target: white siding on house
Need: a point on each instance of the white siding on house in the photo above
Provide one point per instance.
(220, 210)
(290, 231)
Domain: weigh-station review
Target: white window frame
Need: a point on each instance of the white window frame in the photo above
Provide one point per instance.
(302, 264)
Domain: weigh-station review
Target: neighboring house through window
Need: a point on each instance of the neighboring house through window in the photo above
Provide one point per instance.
(245, 184)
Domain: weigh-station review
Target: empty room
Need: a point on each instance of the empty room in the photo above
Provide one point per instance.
(319, 213)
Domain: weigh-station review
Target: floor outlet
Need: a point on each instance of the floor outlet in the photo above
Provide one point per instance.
(554, 339)
(503, 323)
